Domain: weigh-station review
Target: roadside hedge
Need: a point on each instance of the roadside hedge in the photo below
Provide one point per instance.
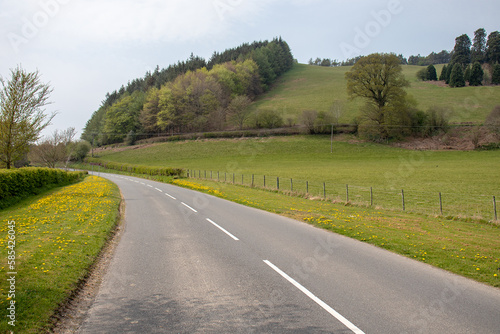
(16, 184)
(136, 169)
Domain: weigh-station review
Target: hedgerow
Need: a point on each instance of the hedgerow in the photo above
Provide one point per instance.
(136, 169)
(16, 184)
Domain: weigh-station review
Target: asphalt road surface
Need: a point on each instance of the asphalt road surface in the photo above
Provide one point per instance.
(193, 263)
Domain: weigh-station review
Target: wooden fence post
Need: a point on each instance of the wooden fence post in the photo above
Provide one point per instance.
(495, 207)
(403, 197)
(440, 204)
(371, 196)
(347, 193)
(278, 183)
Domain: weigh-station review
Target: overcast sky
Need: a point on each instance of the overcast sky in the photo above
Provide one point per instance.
(88, 48)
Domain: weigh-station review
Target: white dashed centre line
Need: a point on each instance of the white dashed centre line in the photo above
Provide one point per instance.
(172, 197)
(187, 206)
(321, 303)
(222, 229)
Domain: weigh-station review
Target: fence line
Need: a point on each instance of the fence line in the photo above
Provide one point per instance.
(438, 203)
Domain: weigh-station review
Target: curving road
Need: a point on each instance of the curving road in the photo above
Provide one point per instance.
(193, 263)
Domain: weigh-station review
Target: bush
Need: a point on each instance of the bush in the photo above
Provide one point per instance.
(268, 119)
(79, 150)
(436, 121)
(422, 74)
(493, 120)
(130, 139)
(16, 184)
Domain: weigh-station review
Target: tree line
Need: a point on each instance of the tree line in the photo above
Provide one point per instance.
(327, 62)
(195, 95)
(482, 49)
(475, 62)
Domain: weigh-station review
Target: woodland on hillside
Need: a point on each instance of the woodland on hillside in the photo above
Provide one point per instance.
(190, 96)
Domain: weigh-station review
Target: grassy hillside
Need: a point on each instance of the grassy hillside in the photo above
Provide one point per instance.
(308, 87)
(464, 178)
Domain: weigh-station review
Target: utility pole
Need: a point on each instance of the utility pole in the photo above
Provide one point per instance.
(331, 141)
(92, 145)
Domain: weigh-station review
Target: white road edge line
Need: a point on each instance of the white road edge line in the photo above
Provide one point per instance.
(321, 303)
(222, 229)
(172, 197)
(187, 206)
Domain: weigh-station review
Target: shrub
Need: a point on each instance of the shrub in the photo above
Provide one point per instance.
(79, 150)
(422, 74)
(436, 121)
(268, 119)
(493, 120)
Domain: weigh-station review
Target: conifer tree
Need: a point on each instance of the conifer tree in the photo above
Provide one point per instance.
(462, 52)
(478, 52)
(476, 75)
(449, 69)
(457, 76)
(442, 76)
(495, 78)
(431, 73)
(493, 47)
(467, 73)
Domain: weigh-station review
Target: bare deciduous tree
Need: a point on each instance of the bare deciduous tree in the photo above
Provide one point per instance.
(22, 114)
(54, 149)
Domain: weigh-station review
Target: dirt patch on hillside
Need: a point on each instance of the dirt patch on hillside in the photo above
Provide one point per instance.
(464, 139)
(119, 148)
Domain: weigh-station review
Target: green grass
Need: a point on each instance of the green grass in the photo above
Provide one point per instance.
(464, 248)
(308, 87)
(58, 236)
(467, 180)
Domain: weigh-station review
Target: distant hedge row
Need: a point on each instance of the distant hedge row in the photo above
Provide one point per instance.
(136, 169)
(16, 184)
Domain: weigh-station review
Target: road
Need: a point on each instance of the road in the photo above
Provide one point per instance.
(193, 263)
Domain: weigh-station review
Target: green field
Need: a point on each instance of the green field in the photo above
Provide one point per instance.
(467, 180)
(308, 87)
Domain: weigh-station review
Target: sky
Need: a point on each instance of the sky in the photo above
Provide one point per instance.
(87, 48)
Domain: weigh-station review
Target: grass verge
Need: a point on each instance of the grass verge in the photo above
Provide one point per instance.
(58, 236)
(466, 248)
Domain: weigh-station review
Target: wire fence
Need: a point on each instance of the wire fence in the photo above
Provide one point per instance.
(461, 205)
